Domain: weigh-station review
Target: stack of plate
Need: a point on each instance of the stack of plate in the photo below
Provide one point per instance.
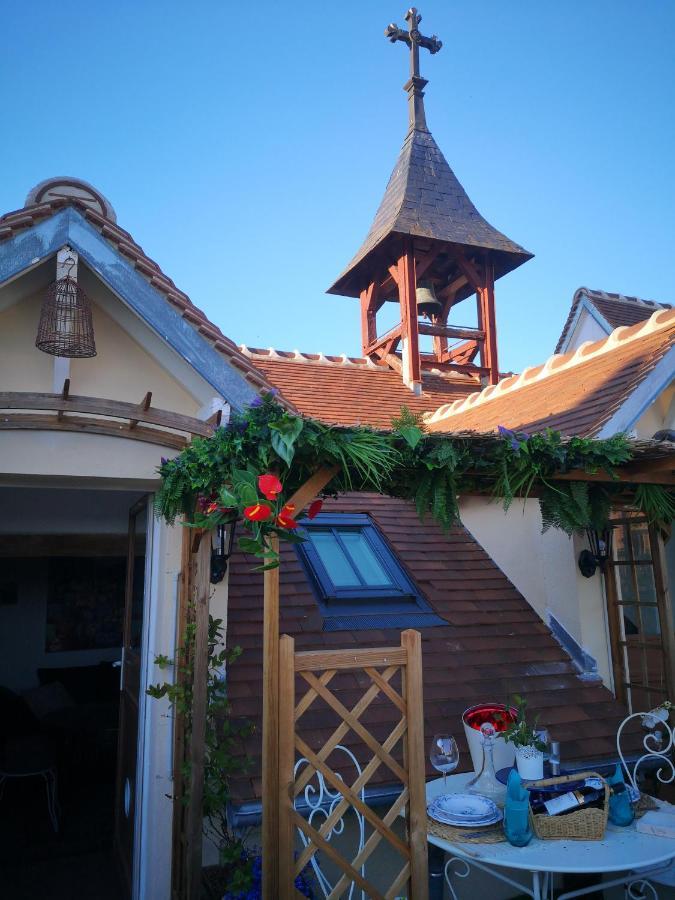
(464, 810)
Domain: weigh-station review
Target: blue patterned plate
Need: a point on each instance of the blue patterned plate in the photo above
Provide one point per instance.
(464, 808)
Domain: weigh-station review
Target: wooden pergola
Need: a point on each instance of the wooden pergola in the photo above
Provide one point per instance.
(29, 411)
(653, 463)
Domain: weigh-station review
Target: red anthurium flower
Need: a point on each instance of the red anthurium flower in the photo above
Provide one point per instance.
(211, 508)
(285, 517)
(314, 509)
(270, 486)
(258, 513)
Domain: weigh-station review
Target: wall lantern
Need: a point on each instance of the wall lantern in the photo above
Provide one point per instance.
(66, 327)
(222, 550)
(599, 554)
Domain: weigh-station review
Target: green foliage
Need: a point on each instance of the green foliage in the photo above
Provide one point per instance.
(520, 733)
(657, 503)
(224, 735)
(431, 470)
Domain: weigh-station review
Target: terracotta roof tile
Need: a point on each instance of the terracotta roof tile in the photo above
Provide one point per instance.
(575, 393)
(347, 390)
(493, 644)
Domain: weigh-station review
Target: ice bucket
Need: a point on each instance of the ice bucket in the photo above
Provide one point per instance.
(498, 715)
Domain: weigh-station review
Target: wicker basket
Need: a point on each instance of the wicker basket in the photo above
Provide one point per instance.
(582, 825)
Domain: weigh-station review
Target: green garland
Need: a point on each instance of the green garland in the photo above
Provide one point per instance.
(218, 479)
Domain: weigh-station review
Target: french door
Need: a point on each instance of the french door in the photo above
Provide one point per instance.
(641, 618)
(130, 685)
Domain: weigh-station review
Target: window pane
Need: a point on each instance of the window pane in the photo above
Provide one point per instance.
(366, 561)
(640, 541)
(332, 556)
(626, 586)
(620, 544)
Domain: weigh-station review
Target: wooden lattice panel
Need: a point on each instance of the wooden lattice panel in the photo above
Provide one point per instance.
(340, 693)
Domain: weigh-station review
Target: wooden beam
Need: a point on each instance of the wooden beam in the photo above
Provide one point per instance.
(470, 272)
(270, 733)
(313, 487)
(144, 405)
(424, 261)
(394, 274)
(391, 359)
(462, 354)
(179, 860)
(450, 331)
(407, 284)
(665, 608)
(451, 289)
(80, 424)
(368, 318)
(64, 396)
(116, 409)
(386, 343)
(286, 766)
(200, 590)
(489, 323)
(411, 641)
(216, 418)
(445, 366)
(627, 475)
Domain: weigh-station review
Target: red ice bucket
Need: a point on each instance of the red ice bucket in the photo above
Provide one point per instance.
(501, 717)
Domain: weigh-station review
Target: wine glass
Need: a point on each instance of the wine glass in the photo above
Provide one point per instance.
(444, 755)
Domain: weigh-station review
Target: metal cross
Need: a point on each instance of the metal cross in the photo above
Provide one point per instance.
(414, 86)
(413, 39)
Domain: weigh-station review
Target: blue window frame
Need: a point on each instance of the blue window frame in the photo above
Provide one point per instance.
(357, 580)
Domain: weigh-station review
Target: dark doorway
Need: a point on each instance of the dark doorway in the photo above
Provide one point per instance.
(62, 600)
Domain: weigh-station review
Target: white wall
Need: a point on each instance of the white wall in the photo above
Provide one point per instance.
(543, 567)
(586, 329)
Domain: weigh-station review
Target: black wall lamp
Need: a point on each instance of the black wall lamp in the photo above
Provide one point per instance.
(599, 554)
(221, 550)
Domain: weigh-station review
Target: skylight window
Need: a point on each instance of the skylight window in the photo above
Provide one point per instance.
(357, 579)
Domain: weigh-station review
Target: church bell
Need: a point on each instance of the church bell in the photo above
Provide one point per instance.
(428, 303)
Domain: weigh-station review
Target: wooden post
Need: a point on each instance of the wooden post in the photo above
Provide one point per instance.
(664, 607)
(270, 735)
(286, 764)
(613, 623)
(368, 326)
(407, 293)
(489, 323)
(200, 591)
(416, 758)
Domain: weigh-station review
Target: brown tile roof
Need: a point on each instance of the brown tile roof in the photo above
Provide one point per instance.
(575, 393)
(494, 644)
(13, 222)
(344, 390)
(616, 309)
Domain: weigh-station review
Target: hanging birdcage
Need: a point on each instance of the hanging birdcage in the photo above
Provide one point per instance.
(66, 327)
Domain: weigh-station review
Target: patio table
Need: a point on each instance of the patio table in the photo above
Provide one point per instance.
(623, 850)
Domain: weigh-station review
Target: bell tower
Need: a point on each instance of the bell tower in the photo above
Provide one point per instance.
(427, 250)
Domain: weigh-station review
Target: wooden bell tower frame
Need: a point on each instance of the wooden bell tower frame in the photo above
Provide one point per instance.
(402, 278)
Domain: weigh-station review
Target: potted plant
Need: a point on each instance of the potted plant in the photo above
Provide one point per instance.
(529, 748)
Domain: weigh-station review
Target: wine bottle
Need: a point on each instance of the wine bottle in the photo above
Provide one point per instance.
(591, 793)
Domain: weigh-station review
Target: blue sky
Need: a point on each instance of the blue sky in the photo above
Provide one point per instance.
(246, 146)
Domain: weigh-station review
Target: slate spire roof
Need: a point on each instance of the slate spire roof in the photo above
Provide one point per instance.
(424, 198)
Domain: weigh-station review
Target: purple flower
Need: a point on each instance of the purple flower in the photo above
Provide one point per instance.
(257, 401)
(510, 436)
(164, 460)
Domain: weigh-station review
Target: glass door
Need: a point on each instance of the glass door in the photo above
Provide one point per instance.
(130, 681)
(642, 633)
